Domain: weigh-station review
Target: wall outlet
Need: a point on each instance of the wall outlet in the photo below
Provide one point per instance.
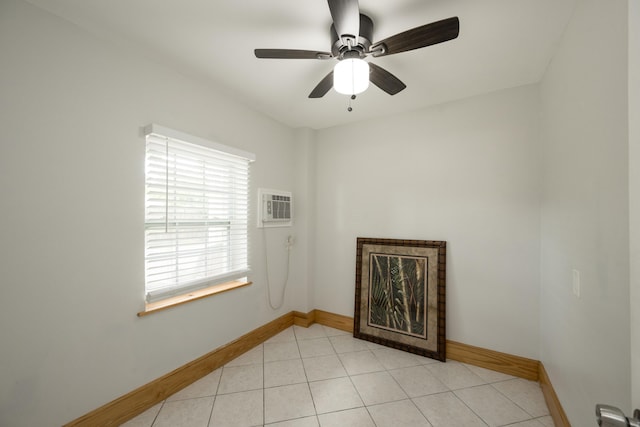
(576, 283)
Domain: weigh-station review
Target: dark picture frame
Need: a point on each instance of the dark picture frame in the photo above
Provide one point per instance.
(400, 299)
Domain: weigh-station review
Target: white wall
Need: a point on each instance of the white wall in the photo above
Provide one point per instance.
(634, 194)
(305, 217)
(72, 212)
(465, 172)
(585, 223)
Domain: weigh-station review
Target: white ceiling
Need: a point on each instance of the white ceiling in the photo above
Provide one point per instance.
(502, 43)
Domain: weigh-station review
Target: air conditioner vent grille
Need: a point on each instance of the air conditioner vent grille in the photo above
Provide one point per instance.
(275, 208)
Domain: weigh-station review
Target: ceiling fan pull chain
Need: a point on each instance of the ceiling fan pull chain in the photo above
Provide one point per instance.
(349, 109)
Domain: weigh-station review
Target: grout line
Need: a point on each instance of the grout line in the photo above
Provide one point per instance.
(500, 393)
(405, 391)
(356, 388)
(366, 408)
(264, 394)
(453, 392)
(313, 402)
(515, 403)
(511, 400)
(212, 405)
(468, 407)
(156, 417)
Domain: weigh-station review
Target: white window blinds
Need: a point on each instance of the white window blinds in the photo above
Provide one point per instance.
(196, 213)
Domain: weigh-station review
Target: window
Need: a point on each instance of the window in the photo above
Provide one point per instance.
(196, 209)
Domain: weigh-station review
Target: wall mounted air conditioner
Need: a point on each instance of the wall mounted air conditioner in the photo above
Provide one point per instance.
(275, 208)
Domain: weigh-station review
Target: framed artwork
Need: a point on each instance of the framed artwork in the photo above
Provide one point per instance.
(401, 295)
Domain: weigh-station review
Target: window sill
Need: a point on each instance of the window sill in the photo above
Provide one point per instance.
(191, 296)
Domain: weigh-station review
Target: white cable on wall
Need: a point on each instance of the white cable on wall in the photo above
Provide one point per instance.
(288, 244)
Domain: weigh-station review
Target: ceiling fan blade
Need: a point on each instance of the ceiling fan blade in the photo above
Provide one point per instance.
(416, 38)
(323, 87)
(385, 80)
(346, 18)
(291, 54)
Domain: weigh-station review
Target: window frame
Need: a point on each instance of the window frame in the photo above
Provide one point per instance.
(195, 289)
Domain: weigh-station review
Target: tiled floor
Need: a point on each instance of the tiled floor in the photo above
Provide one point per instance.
(319, 376)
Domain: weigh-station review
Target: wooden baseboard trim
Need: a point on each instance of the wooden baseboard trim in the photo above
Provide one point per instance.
(337, 321)
(553, 403)
(134, 403)
(304, 319)
(502, 362)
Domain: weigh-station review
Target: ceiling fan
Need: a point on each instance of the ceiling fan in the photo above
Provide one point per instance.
(351, 35)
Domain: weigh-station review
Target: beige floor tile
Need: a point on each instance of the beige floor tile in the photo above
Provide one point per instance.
(418, 381)
(334, 395)
(240, 378)
(242, 409)
(378, 387)
(398, 414)
(528, 423)
(333, 332)
(315, 347)
(488, 375)
(526, 394)
(204, 387)
(446, 410)
(360, 362)
(145, 419)
(284, 372)
(185, 413)
(314, 331)
(285, 336)
(300, 422)
(281, 351)
(323, 368)
(251, 357)
(394, 359)
(424, 360)
(375, 346)
(494, 408)
(358, 417)
(287, 403)
(346, 344)
(546, 421)
(454, 375)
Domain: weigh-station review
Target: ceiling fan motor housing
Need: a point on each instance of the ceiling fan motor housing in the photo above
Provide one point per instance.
(359, 50)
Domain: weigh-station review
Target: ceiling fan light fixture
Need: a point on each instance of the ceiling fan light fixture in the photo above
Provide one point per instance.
(351, 76)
